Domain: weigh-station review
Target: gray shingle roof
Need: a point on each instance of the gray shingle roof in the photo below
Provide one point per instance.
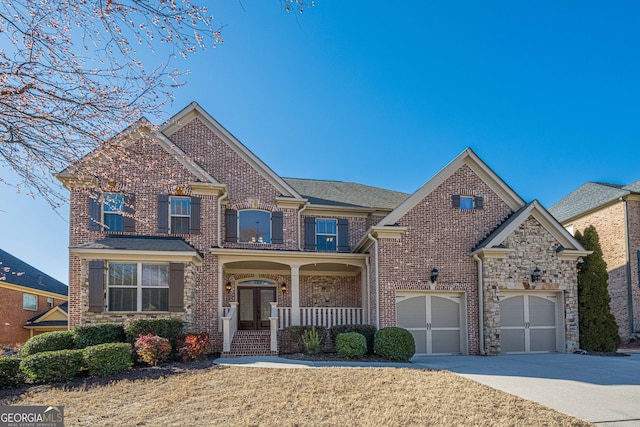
(140, 243)
(634, 187)
(587, 197)
(22, 274)
(64, 307)
(338, 193)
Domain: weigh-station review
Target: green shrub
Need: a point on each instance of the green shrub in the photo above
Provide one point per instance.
(169, 328)
(61, 365)
(49, 341)
(369, 332)
(194, 346)
(351, 345)
(107, 359)
(98, 333)
(312, 341)
(394, 344)
(10, 374)
(152, 349)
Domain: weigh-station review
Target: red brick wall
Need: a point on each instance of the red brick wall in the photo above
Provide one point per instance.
(13, 317)
(440, 236)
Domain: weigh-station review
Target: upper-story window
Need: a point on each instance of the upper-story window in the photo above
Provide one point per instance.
(326, 234)
(254, 226)
(112, 211)
(29, 302)
(180, 213)
(467, 203)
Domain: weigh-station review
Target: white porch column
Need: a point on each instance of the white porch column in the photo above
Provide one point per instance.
(365, 295)
(220, 294)
(295, 295)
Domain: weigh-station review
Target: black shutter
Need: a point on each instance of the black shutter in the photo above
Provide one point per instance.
(479, 202)
(231, 223)
(94, 211)
(277, 227)
(309, 233)
(194, 227)
(163, 213)
(455, 201)
(176, 286)
(343, 235)
(129, 212)
(96, 286)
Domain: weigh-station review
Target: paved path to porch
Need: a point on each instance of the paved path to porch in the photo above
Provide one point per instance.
(602, 390)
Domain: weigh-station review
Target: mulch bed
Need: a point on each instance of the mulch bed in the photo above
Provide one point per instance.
(331, 357)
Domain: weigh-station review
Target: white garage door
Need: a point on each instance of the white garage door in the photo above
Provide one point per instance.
(434, 320)
(529, 323)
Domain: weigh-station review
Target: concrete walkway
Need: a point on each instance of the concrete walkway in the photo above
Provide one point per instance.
(602, 390)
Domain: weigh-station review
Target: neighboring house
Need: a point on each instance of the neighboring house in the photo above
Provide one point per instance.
(614, 210)
(27, 293)
(183, 220)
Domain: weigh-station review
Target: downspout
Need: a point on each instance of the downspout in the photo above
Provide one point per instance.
(375, 241)
(299, 223)
(628, 267)
(224, 196)
(480, 305)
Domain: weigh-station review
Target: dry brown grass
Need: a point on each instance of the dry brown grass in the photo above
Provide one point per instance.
(238, 396)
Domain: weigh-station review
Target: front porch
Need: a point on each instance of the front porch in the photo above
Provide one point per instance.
(263, 292)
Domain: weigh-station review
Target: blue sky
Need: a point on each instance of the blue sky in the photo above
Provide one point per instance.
(387, 93)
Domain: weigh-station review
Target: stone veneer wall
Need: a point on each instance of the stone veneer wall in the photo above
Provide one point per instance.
(610, 225)
(533, 247)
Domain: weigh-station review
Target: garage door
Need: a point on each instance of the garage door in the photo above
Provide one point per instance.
(529, 323)
(434, 320)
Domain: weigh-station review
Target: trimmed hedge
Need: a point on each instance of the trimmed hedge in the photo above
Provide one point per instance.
(10, 374)
(169, 328)
(98, 333)
(107, 359)
(369, 332)
(49, 341)
(351, 345)
(394, 344)
(62, 365)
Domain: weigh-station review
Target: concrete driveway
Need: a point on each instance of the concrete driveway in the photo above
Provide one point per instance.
(602, 390)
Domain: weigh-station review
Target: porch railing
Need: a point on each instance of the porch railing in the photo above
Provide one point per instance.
(330, 316)
(229, 326)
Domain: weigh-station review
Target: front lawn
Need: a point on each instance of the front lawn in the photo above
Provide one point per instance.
(240, 396)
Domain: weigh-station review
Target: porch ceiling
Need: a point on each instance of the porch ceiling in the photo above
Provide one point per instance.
(274, 266)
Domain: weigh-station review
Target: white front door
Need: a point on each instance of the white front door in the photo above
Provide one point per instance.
(435, 320)
(529, 323)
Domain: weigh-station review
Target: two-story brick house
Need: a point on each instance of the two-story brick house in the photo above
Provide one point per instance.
(614, 210)
(183, 220)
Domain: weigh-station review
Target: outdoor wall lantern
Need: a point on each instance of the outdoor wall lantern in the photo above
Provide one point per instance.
(228, 287)
(579, 264)
(283, 287)
(434, 275)
(535, 276)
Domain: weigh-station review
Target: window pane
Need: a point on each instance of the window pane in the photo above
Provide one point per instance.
(122, 299)
(113, 222)
(326, 226)
(29, 302)
(326, 243)
(155, 275)
(254, 226)
(466, 203)
(113, 203)
(180, 225)
(155, 299)
(121, 274)
(181, 206)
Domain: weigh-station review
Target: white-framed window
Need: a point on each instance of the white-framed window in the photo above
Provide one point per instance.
(30, 302)
(179, 215)
(112, 211)
(326, 234)
(138, 286)
(49, 302)
(254, 226)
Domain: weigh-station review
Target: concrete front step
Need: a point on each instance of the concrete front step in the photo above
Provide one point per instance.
(251, 343)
